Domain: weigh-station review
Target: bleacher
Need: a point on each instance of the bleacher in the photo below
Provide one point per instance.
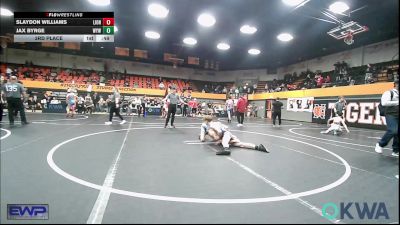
(64, 75)
(381, 74)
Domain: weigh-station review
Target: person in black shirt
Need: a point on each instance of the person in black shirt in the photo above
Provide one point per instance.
(276, 111)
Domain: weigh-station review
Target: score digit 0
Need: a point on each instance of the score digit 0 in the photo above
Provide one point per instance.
(108, 30)
(108, 21)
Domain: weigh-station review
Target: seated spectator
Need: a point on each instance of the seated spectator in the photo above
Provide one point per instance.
(102, 79)
(369, 75)
(320, 81)
(206, 90)
(328, 79)
(254, 87)
(308, 78)
(161, 85)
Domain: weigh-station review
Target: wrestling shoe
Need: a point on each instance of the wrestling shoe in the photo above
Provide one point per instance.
(224, 151)
(378, 148)
(261, 148)
(108, 123)
(123, 122)
(395, 154)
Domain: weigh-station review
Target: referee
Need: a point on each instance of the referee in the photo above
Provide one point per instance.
(276, 111)
(115, 106)
(173, 101)
(14, 91)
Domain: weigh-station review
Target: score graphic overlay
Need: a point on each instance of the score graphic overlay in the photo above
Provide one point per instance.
(63, 26)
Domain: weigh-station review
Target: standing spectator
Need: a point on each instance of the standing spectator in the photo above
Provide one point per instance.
(185, 106)
(390, 102)
(88, 104)
(195, 107)
(96, 99)
(144, 104)
(81, 104)
(102, 104)
(241, 109)
(340, 106)
(276, 111)
(255, 110)
(266, 87)
(229, 108)
(34, 103)
(254, 87)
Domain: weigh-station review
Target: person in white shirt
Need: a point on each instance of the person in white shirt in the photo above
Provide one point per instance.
(335, 124)
(161, 85)
(220, 134)
(229, 108)
(390, 102)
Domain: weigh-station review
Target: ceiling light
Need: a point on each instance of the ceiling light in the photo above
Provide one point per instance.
(339, 7)
(206, 20)
(223, 46)
(115, 28)
(100, 2)
(5, 12)
(157, 10)
(152, 35)
(254, 51)
(292, 2)
(285, 37)
(247, 29)
(189, 41)
(101, 47)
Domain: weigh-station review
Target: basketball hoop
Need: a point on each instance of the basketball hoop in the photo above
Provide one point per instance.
(349, 38)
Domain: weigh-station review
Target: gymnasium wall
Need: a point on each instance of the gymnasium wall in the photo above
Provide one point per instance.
(374, 53)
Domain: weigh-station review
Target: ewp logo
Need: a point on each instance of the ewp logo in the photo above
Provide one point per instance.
(27, 212)
(376, 211)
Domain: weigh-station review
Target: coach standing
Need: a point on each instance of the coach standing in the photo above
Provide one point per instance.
(276, 111)
(390, 101)
(340, 107)
(241, 109)
(14, 91)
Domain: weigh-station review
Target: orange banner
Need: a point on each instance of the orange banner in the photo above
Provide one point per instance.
(366, 89)
(95, 88)
(72, 45)
(50, 44)
(108, 89)
(137, 53)
(122, 51)
(193, 60)
(168, 56)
